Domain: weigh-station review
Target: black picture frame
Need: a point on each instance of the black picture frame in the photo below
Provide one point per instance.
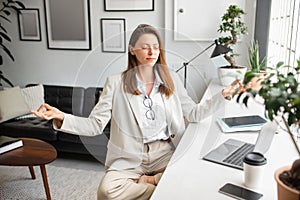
(68, 25)
(128, 5)
(29, 24)
(113, 35)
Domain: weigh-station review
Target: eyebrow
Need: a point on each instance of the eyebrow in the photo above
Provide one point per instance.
(150, 44)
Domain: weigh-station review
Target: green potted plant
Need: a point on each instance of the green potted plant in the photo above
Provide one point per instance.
(280, 92)
(256, 66)
(5, 12)
(233, 26)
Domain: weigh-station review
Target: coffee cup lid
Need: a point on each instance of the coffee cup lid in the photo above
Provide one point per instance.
(255, 158)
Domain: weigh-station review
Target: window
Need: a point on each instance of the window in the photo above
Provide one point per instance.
(284, 32)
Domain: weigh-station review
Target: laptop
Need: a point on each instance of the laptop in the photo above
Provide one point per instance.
(232, 152)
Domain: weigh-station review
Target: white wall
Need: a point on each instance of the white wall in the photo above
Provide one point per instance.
(36, 64)
(202, 69)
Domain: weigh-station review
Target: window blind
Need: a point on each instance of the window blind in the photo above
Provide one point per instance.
(284, 38)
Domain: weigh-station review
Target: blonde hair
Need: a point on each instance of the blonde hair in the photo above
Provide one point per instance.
(129, 75)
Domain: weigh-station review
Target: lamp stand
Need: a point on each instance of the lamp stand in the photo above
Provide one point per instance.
(185, 64)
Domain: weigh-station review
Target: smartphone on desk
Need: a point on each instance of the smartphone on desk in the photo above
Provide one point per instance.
(239, 192)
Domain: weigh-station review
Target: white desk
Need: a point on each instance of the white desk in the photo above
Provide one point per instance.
(189, 177)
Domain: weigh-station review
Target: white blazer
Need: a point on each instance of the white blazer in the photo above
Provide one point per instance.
(125, 146)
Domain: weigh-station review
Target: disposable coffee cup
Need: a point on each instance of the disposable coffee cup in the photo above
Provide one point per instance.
(254, 164)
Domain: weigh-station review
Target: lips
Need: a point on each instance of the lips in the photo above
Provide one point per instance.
(151, 59)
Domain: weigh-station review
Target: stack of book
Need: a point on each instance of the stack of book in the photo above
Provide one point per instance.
(9, 143)
(241, 123)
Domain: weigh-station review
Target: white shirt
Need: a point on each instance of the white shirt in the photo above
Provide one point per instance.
(156, 128)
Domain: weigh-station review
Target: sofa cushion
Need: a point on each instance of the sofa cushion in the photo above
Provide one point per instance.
(12, 104)
(29, 127)
(34, 98)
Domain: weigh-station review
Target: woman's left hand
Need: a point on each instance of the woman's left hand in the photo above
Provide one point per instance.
(233, 88)
(237, 87)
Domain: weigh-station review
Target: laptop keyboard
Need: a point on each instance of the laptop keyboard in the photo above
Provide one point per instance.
(236, 158)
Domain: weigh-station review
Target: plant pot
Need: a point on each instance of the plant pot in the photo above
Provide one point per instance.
(283, 191)
(228, 75)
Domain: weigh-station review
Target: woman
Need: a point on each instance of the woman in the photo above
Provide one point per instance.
(147, 105)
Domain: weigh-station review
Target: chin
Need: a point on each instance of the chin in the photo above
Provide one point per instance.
(149, 64)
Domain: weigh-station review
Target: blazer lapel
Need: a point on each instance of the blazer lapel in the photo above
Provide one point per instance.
(133, 102)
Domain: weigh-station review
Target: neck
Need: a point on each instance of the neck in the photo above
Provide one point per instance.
(146, 75)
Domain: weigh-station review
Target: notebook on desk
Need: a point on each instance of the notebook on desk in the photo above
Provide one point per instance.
(241, 123)
(232, 152)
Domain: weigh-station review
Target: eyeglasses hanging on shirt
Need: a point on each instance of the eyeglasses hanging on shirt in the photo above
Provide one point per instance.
(148, 103)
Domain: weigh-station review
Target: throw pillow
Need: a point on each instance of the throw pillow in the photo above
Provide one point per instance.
(12, 104)
(34, 97)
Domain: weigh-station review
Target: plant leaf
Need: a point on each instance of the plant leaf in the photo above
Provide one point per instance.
(5, 18)
(5, 36)
(6, 12)
(3, 29)
(16, 9)
(248, 77)
(7, 52)
(245, 101)
(298, 65)
(238, 97)
(20, 4)
(279, 64)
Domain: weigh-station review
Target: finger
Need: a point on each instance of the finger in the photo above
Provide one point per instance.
(33, 112)
(38, 114)
(47, 106)
(42, 113)
(234, 83)
(44, 107)
(225, 91)
(47, 117)
(240, 84)
(228, 97)
(41, 108)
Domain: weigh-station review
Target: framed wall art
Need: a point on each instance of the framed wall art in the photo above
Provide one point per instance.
(113, 35)
(29, 24)
(129, 5)
(68, 24)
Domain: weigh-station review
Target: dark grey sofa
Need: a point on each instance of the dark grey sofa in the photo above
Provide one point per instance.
(74, 100)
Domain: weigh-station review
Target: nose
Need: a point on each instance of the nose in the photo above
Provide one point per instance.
(150, 50)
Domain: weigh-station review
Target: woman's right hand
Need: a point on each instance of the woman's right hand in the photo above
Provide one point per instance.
(47, 112)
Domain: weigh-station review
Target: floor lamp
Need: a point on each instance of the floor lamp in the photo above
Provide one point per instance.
(219, 49)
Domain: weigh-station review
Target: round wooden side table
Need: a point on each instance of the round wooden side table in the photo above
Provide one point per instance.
(34, 152)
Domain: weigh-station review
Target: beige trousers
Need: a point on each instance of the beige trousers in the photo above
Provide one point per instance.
(122, 184)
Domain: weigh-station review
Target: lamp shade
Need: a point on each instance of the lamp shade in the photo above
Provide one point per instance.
(219, 50)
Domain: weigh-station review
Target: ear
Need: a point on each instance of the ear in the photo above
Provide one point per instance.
(131, 50)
